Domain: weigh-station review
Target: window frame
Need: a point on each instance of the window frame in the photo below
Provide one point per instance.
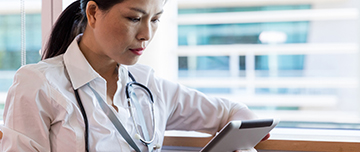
(50, 10)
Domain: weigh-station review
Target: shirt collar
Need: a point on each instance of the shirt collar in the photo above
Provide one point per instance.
(78, 68)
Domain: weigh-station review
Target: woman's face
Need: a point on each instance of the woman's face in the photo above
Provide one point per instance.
(123, 32)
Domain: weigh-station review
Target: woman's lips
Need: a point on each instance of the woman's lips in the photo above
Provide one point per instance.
(137, 51)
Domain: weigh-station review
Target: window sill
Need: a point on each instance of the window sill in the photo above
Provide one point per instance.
(284, 139)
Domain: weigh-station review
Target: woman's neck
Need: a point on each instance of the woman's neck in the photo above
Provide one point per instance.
(101, 63)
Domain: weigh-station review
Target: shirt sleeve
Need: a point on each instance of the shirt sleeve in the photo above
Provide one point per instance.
(26, 120)
(189, 109)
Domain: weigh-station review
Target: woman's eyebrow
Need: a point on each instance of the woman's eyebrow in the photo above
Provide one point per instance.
(143, 11)
(159, 12)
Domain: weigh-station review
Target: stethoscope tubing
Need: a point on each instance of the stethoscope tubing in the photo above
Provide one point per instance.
(86, 122)
(128, 85)
(128, 92)
(81, 106)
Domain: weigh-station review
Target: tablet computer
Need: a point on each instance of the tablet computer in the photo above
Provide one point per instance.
(237, 135)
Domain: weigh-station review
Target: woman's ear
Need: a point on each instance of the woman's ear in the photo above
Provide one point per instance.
(92, 11)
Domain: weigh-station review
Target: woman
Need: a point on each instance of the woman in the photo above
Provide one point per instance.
(56, 104)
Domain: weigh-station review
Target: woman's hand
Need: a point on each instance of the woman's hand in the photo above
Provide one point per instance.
(253, 149)
(247, 150)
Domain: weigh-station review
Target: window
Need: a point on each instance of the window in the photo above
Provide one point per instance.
(296, 62)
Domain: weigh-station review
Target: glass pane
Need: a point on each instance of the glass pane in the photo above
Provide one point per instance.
(243, 9)
(241, 33)
(204, 66)
(286, 66)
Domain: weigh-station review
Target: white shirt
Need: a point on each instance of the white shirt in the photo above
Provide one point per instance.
(42, 114)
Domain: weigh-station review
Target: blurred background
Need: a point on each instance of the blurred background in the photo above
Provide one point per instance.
(295, 60)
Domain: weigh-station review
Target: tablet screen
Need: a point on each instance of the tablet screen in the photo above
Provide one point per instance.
(237, 135)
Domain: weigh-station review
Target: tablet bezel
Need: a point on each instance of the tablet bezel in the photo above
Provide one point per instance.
(240, 134)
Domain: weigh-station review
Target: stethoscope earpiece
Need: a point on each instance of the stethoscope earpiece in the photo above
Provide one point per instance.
(157, 146)
(137, 136)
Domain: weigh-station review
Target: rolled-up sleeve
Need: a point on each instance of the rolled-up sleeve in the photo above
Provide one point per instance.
(189, 109)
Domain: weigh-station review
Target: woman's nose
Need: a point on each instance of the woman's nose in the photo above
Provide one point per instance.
(144, 33)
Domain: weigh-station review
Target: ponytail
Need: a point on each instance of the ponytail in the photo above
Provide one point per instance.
(70, 23)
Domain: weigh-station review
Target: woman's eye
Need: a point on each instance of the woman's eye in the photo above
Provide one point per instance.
(155, 20)
(134, 19)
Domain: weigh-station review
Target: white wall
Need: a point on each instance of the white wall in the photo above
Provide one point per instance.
(161, 52)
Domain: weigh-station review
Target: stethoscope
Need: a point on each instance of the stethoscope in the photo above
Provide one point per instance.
(131, 98)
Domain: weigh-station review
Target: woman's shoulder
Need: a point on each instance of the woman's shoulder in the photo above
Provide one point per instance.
(41, 70)
(44, 65)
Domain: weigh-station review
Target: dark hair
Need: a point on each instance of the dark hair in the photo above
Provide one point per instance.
(71, 22)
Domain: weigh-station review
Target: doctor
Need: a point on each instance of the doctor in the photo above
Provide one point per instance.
(88, 82)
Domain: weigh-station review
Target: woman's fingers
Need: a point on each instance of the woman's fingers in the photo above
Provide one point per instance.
(266, 137)
(253, 149)
(247, 150)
